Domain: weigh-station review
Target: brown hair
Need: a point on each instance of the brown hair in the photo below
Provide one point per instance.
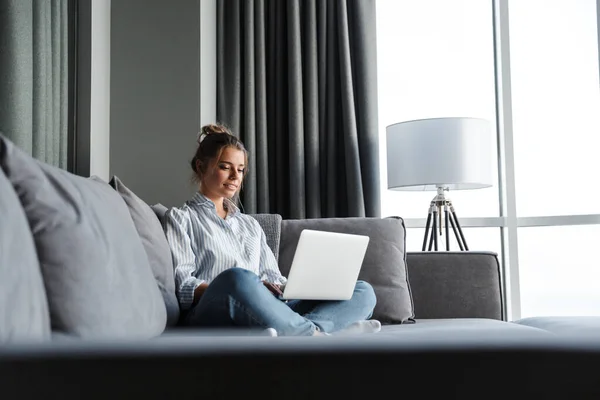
(212, 140)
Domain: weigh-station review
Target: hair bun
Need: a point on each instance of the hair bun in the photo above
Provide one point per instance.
(212, 129)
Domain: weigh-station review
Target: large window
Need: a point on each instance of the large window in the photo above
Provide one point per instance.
(560, 271)
(437, 58)
(556, 106)
(556, 131)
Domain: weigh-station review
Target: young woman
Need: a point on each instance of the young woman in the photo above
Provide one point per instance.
(225, 273)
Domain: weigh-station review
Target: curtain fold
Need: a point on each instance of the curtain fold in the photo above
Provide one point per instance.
(34, 77)
(296, 80)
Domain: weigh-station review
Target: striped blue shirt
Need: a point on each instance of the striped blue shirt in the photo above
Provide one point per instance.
(203, 245)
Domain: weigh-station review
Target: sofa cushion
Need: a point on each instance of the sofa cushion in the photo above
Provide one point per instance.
(150, 230)
(451, 329)
(97, 277)
(24, 314)
(578, 326)
(384, 266)
(271, 225)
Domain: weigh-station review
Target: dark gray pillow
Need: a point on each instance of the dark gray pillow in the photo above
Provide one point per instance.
(24, 314)
(384, 266)
(98, 280)
(160, 211)
(150, 230)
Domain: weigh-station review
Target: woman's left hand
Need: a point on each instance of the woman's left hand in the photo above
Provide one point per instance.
(274, 288)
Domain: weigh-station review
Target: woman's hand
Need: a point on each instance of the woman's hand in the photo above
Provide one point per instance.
(274, 288)
(199, 291)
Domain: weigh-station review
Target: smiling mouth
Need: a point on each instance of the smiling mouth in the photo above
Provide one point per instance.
(232, 187)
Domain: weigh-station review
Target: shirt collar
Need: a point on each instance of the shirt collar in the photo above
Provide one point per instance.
(202, 200)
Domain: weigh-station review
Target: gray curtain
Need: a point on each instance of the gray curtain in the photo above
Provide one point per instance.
(34, 77)
(297, 81)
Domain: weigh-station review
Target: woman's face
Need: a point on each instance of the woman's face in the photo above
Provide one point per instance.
(224, 178)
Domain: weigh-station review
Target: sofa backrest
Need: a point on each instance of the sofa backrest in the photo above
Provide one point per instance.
(440, 284)
(456, 284)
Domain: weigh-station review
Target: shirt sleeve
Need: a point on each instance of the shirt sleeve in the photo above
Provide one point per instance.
(176, 225)
(269, 269)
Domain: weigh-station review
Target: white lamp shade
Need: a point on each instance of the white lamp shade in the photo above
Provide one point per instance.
(454, 153)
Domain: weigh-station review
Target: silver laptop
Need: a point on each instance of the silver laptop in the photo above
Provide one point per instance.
(325, 266)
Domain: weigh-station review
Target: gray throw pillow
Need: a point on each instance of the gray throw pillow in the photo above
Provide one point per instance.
(150, 230)
(98, 280)
(24, 314)
(271, 225)
(160, 211)
(384, 266)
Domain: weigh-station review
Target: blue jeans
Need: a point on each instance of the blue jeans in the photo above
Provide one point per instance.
(237, 298)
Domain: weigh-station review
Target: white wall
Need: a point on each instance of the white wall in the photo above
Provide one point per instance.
(100, 89)
(147, 84)
(208, 61)
(155, 96)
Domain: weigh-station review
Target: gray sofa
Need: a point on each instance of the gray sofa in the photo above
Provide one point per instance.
(86, 311)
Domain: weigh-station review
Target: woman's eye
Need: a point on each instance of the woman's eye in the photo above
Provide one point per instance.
(241, 171)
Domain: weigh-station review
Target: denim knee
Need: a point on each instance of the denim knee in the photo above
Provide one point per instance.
(235, 279)
(364, 291)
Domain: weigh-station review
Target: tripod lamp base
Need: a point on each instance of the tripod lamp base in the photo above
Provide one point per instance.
(430, 239)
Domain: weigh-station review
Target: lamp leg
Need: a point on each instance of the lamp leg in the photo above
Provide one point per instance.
(447, 233)
(460, 245)
(459, 229)
(433, 229)
(427, 225)
(435, 238)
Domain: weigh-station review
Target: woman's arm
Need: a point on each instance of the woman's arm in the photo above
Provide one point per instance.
(188, 288)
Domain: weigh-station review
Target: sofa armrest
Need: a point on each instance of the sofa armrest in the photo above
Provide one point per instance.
(461, 284)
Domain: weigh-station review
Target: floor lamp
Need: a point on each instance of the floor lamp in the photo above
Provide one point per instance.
(440, 154)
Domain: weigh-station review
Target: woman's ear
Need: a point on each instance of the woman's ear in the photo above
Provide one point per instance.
(198, 166)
